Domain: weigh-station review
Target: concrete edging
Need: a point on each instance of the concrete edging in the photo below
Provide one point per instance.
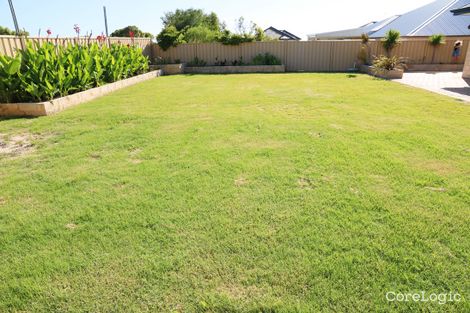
(60, 104)
(243, 69)
(385, 74)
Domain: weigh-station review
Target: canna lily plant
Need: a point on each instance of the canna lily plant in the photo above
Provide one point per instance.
(45, 71)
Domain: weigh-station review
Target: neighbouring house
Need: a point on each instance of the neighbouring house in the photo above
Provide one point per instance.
(433, 18)
(459, 12)
(280, 34)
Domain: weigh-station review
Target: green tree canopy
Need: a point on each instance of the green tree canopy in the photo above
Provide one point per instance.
(196, 26)
(185, 19)
(124, 32)
(7, 31)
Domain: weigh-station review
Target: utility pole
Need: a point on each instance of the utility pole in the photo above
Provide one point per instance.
(13, 14)
(106, 21)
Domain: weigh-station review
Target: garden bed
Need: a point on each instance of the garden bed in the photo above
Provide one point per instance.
(235, 69)
(54, 106)
(382, 73)
(171, 69)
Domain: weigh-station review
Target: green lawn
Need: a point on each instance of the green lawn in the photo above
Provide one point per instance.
(238, 193)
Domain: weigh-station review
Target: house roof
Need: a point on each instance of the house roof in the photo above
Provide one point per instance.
(433, 18)
(283, 34)
(465, 10)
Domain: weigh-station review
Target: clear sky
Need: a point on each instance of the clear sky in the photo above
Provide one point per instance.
(300, 17)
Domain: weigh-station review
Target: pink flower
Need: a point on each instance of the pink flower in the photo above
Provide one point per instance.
(49, 32)
(101, 38)
(131, 34)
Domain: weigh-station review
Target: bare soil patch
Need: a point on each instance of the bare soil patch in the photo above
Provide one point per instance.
(16, 145)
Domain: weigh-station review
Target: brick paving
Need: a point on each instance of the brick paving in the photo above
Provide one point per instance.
(446, 83)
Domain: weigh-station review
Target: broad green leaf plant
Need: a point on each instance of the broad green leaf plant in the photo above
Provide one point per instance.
(47, 71)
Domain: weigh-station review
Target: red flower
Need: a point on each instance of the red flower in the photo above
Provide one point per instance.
(131, 34)
(49, 32)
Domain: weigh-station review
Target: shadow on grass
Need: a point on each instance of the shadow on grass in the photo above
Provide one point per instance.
(8, 118)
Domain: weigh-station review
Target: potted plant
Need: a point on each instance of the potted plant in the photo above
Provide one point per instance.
(388, 67)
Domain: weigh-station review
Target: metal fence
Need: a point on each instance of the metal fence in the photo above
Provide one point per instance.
(313, 56)
(9, 45)
(308, 56)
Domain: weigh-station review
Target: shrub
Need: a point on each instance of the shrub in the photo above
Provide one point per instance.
(200, 34)
(166, 61)
(228, 38)
(7, 31)
(196, 62)
(365, 39)
(391, 40)
(170, 37)
(266, 59)
(43, 72)
(126, 31)
(435, 41)
(363, 55)
(388, 63)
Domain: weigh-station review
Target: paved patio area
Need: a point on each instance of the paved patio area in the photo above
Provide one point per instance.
(447, 83)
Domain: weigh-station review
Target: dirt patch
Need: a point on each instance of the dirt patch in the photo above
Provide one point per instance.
(71, 226)
(336, 126)
(314, 134)
(16, 145)
(440, 167)
(238, 292)
(381, 184)
(436, 189)
(241, 181)
(95, 156)
(305, 183)
(133, 156)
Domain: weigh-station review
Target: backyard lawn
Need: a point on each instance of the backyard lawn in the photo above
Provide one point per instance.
(238, 193)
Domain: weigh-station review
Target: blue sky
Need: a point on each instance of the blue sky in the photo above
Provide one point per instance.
(301, 17)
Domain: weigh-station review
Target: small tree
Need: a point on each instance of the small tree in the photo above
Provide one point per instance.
(435, 41)
(7, 31)
(391, 40)
(364, 53)
(170, 37)
(126, 31)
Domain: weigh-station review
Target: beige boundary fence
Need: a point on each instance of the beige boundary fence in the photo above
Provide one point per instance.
(313, 56)
(9, 45)
(308, 56)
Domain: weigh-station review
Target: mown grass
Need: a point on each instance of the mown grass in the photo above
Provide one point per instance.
(247, 193)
